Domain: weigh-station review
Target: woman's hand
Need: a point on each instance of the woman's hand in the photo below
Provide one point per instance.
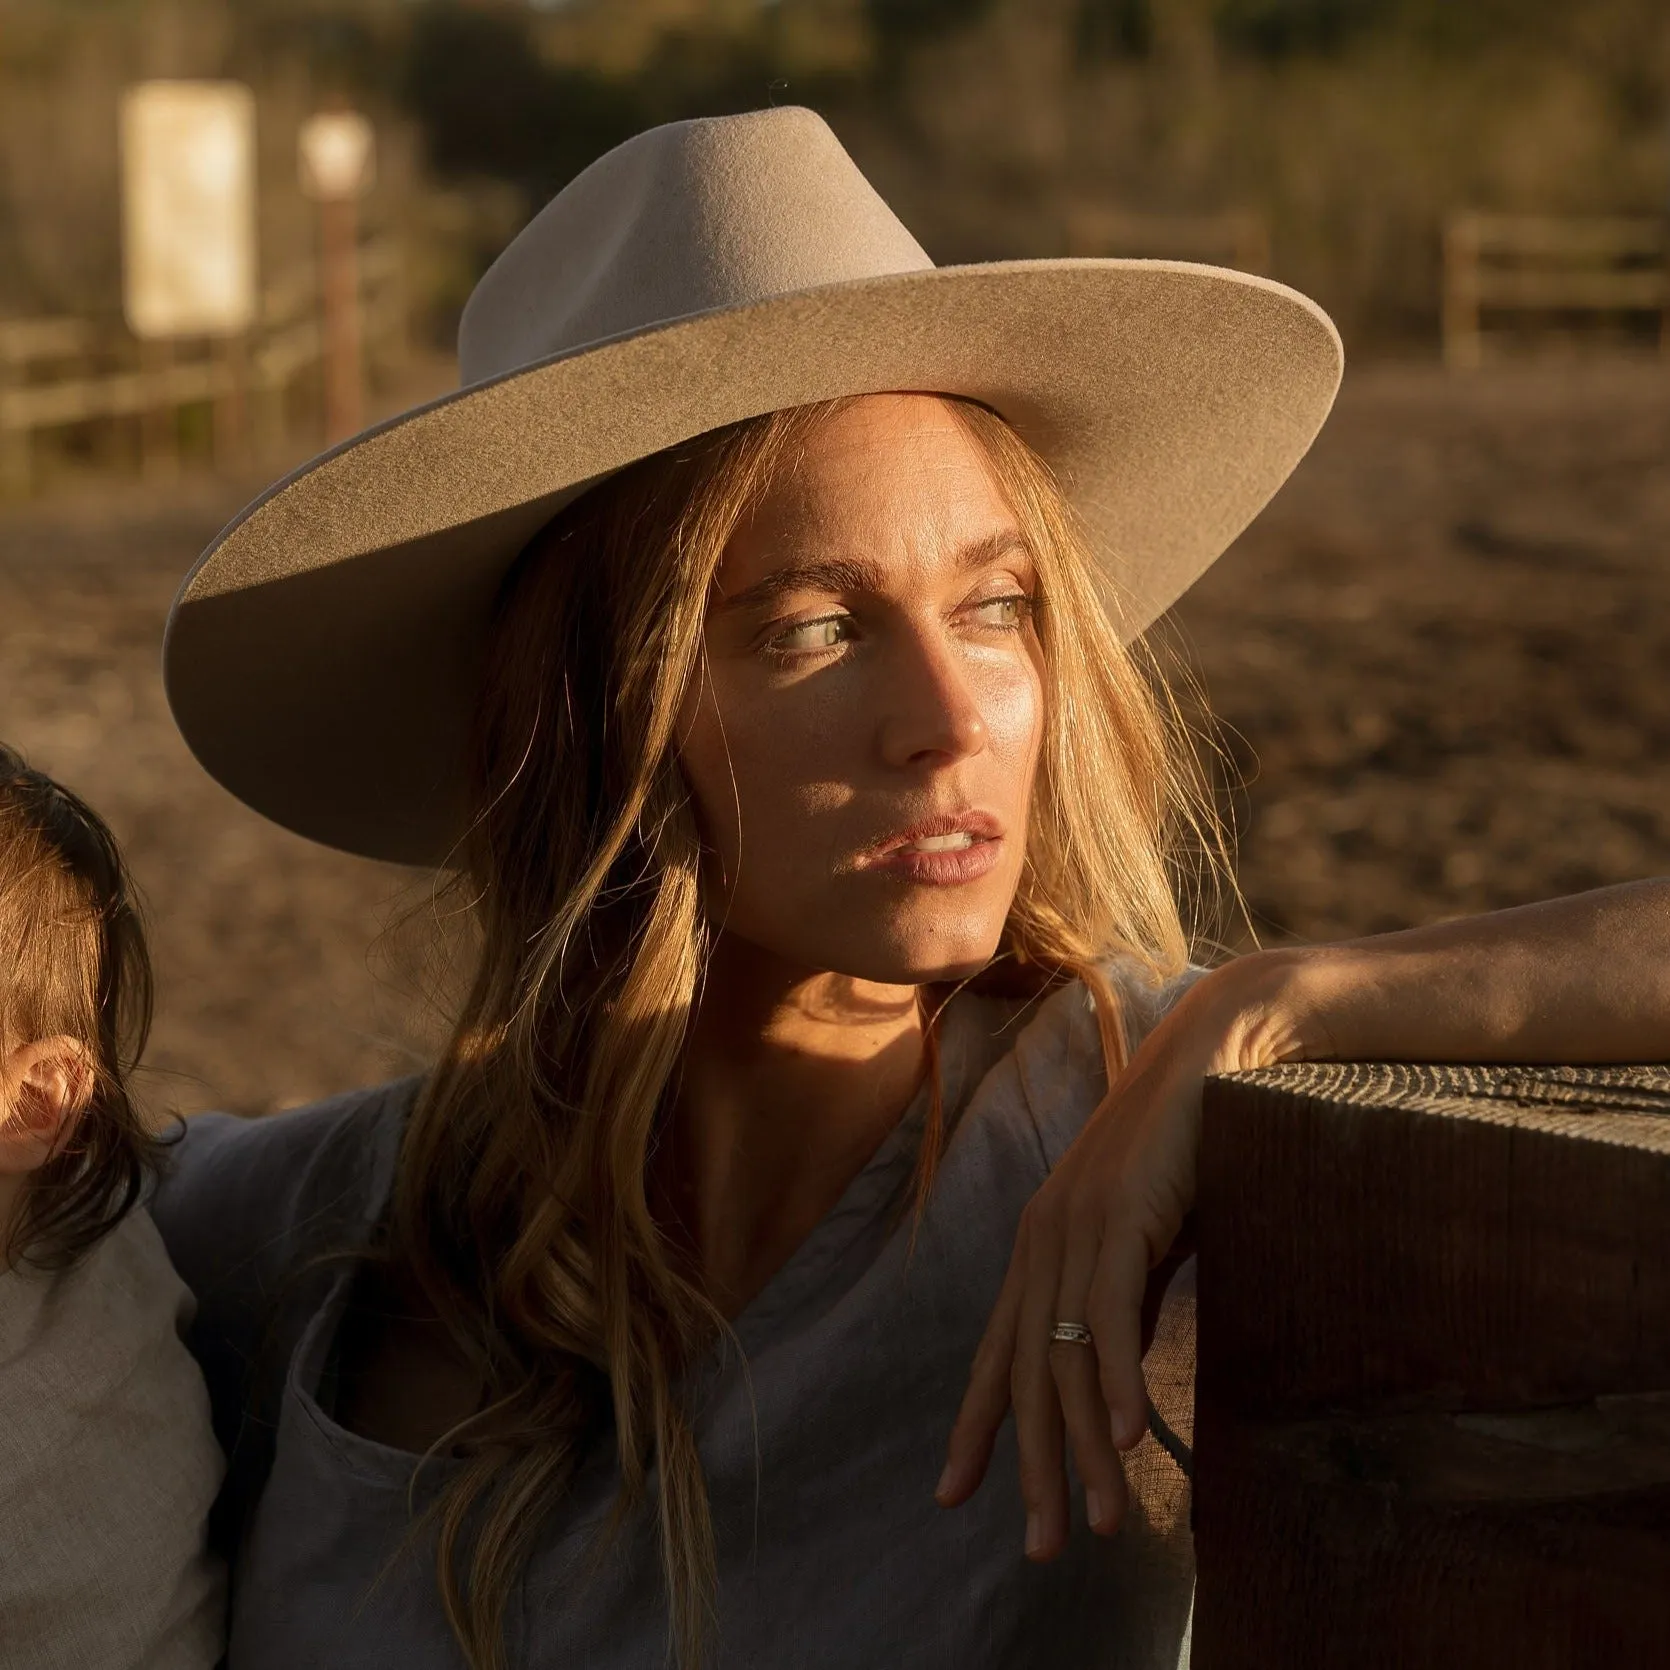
(1105, 1218)
(1579, 979)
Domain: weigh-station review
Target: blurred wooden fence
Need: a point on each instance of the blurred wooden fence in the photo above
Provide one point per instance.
(1538, 271)
(57, 373)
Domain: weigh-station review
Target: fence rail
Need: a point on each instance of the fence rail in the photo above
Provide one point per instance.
(48, 378)
(1498, 265)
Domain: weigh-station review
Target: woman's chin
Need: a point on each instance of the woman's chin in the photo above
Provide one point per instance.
(893, 963)
(889, 946)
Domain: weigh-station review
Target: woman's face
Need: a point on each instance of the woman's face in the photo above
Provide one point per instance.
(862, 745)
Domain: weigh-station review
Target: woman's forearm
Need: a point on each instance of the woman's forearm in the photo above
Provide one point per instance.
(1584, 978)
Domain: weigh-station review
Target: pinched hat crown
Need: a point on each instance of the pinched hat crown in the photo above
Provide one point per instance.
(324, 656)
(681, 220)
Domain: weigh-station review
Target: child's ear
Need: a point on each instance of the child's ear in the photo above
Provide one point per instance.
(44, 1089)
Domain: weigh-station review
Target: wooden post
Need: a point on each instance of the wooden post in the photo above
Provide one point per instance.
(1433, 1420)
(16, 458)
(336, 161)
(1463, 344)
(339, 286)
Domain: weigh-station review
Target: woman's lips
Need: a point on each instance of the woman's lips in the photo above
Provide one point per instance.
(941, 852)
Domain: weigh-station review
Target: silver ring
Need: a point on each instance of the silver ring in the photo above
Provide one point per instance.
(1071, 1333)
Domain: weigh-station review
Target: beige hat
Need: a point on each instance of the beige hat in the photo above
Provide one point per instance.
(323, 655)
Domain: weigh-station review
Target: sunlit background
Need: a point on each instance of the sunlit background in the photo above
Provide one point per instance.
(232, 229)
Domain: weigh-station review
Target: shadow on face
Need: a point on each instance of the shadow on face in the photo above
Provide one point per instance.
(862, 741)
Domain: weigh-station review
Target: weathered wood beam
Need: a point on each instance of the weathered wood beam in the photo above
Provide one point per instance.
(1433, 1419)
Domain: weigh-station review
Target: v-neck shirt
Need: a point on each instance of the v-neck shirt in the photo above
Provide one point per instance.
(821, 1442)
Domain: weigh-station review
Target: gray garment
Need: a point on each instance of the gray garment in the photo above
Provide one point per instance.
(107, 1467)
(821, 1461)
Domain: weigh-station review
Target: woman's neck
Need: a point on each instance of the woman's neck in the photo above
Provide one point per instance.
(790, 1082)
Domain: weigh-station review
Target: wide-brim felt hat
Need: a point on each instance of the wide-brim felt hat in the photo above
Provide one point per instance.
(323, 656)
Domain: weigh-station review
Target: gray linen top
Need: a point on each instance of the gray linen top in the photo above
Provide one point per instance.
(821, 1458)
(107, 1467)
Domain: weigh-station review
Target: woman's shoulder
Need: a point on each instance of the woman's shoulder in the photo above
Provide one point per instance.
(242, 1196)
(1045, 1059)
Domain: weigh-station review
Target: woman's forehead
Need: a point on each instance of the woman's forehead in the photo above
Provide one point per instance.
(885, 480)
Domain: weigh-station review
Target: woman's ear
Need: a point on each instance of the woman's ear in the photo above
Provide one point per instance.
(45, 1087)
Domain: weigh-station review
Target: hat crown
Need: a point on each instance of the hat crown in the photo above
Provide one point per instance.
(711, 213)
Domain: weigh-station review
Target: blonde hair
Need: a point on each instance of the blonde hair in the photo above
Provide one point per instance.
(71, 931)
(521, 1212)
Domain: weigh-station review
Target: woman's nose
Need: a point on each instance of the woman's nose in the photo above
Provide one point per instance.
(931, 711)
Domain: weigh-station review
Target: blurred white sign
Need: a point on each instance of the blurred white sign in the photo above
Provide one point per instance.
(336, 155)
(188, 208)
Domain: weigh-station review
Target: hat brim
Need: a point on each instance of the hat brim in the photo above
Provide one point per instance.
(323, 655)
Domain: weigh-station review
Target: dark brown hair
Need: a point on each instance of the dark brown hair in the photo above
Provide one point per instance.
(71, 933)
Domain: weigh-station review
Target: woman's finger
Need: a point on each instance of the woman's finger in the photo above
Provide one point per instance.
(1074, 1365)
(1115, 1319)
(986, 1400)
(1037, 1404)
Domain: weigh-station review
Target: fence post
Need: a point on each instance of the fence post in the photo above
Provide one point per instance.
(16, 461)
(1433, 1422)
(339, 282)
(1463, 345)
(337, 158)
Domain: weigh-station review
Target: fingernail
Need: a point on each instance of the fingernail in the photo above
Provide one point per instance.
(1034, 1533)
(1093, 1507)
(946, 1479)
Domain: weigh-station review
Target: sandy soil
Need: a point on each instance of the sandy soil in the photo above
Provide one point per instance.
(1446, 649)
(1442, 655)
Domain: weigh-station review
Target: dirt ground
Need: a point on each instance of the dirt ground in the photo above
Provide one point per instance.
(1441, 655)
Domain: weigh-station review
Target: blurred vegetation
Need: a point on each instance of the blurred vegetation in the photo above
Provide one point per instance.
(1349, 126)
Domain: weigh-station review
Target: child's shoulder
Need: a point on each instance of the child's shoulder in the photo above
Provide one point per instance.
(108, 1464)
(63, 1325)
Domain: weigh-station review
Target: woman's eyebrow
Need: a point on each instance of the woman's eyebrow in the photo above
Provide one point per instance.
(857, 574)
(994, 547)
(845, 574)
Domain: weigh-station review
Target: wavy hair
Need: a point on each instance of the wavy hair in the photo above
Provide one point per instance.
(522, 1214)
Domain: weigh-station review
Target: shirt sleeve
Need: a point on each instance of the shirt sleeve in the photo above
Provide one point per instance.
(1059, 1054)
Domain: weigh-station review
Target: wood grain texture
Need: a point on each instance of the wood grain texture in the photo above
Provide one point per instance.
(1398, 1236)
(1433, 1421)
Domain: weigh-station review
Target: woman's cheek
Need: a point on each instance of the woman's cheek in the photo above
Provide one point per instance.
(784, 759)
(1012, 705)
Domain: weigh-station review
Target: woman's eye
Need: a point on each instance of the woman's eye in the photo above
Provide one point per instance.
(811, 636)
(1008, 613)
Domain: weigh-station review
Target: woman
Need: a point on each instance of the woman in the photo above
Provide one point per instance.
(819, 828)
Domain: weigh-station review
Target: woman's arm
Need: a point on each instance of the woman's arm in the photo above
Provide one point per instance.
(1581, 979)
(1572, 980)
